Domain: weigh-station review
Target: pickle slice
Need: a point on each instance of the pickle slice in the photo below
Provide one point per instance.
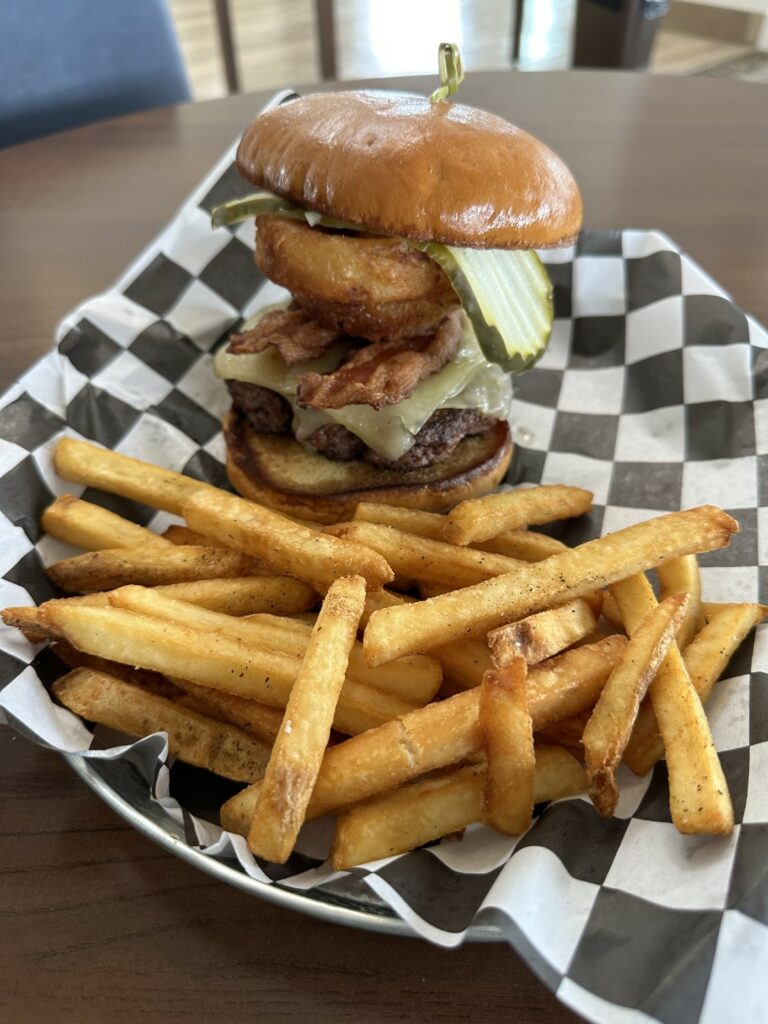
(505, 292)
(260, 203)
(507, 295)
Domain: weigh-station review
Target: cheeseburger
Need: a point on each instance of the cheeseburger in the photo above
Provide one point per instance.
(402, 235)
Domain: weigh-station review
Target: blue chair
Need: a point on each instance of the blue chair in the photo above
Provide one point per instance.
(65, 63)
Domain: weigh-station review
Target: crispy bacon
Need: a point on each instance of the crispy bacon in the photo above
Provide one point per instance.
(292, 332)
(382, 373)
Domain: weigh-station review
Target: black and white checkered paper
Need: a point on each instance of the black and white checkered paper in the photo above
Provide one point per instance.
(654, 395)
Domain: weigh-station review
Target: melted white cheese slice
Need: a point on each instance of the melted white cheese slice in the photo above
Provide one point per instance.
(468, 381)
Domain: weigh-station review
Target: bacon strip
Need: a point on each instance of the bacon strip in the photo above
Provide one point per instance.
(292, 332)
(383, 373)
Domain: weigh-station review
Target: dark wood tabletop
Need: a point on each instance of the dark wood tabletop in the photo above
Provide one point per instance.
(98, 923)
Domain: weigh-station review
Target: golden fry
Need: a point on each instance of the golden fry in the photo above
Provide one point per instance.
(219, 747)
(698, 793)
(609, 728)
(88, 464)
(682, 576)
(392, 632)
(298, 750)
(524, 545)
(92, 527)
(706, 658)
(426, 810)
(148, 566)
(505, 723)
(425, 560)
(544, 634)
(283, 545)
(480, 519)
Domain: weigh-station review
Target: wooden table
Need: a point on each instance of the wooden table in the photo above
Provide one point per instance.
(99, 924)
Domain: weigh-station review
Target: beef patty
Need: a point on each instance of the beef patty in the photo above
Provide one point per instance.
(269, 413)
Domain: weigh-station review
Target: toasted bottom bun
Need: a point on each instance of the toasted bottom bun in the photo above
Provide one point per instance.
(275, 470)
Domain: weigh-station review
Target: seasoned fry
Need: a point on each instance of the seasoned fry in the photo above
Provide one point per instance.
(682, 576)
(298, 751)
(698, 793)
(149, 566)
(524, 544)
(480, 519)
(566, 733)
(464, 662)
(210, 659)
(505, 723)
(376, 599)
(392, 632)
(443, 733)
(540, 636)
(521, 544)
(153, 682)
(88, 464)
(416, 678)
(247, 595)
(176, 534)
(425, 560)
(425, 811)
(243, 595)
(285, 546)
(92, 527)
(706, 658)
(259, 720)
(219, 747)
(609, 728)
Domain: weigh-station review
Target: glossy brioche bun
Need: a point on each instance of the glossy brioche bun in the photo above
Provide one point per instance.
(275, 470)
(397, 164)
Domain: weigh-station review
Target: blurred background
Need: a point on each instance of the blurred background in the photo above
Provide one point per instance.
(278, 42)
(69, 62)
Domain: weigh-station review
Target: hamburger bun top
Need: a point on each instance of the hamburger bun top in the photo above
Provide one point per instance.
(398, 164)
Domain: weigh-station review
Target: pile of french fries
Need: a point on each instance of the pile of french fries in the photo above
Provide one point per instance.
(497, 668)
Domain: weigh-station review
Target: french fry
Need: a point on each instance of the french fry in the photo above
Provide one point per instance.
(393, 632)
(219, 747)
(176, 534)
(443, 733)
(425, 560)
(416, 679)
(149, 566)
(247, 595)
(521, 544)
(285, 546)
(526, 545)
(426, 810)
(88, 464)
(152, 682)
(566, 733)
(220, 662)
(544, 634)
(259, 720)
(610, 610)
(505, 723)
(464, 662)
(682, 576)
(376, 599)
(610, 725)
(298, 750)
(698, 793)
(706, 658)
(479, 519)
(92, 527)
(243, 595)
